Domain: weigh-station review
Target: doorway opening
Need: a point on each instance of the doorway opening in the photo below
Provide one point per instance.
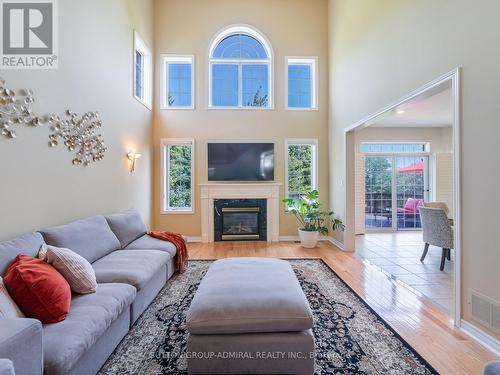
(402, 165)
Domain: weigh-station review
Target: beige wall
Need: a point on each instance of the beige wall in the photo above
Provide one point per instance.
(294, 28)
(39, 186)
(380, 50)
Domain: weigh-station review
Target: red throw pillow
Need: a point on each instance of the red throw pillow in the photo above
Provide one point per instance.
(38, 289)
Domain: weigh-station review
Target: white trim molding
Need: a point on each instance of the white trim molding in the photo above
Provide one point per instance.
(266, 44)
(489, 342)
(312, 61)
(315, 152)
(164, 144)
(453, 77)
(147, 72)
(330, 239)
(268, 191)
(165, 60)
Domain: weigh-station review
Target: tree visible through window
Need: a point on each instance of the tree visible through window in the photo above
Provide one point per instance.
(178, 175)
(240, 71)
(177, 83)
(301, 160)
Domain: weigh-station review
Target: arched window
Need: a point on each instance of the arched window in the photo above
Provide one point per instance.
(240, 69)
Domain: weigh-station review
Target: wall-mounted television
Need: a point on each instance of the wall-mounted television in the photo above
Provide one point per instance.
(241, 161)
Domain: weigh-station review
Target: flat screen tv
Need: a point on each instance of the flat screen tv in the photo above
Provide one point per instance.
(241, 161)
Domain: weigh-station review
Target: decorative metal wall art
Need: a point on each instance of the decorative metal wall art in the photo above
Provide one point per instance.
(15, 109)
(78, 135)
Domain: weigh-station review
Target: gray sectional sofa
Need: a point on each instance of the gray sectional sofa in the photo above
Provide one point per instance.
(131, 268)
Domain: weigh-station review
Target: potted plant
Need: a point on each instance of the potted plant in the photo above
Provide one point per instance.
(307, 210)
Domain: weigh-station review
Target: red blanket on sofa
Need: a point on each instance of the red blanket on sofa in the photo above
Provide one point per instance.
(181, 257)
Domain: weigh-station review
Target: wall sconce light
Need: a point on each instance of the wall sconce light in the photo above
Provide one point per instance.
(133, 156)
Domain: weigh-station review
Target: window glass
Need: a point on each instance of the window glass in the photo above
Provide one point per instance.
(301, 175)
(255, 85)
(179, 85)
(240, 46)
(393, 147)
(179, 177)
(299, 86)
(224, 85)
(139, 75)
(240, 70)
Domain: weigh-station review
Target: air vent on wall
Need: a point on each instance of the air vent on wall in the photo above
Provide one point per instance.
(485, 310)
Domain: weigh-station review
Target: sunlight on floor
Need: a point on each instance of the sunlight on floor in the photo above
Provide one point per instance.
(398, 254)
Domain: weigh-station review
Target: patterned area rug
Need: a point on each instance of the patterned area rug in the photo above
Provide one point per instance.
(350, 338)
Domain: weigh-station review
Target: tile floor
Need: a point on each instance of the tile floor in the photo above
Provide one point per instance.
(398, 254)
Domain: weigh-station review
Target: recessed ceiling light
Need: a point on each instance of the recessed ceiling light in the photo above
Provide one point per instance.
(401, 112)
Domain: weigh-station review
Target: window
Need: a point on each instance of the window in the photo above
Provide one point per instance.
(143, 72)
(177, 82)
(301, 81)
(301, 166)
(177, 175)
(240, 70)
(392, 148)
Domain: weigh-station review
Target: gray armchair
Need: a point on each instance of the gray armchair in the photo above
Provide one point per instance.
(492, 368)
(437, 231)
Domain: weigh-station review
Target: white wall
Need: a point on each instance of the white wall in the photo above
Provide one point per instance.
(380, 50)
(39, 186)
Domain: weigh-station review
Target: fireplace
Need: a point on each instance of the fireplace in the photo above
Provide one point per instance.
(240, 219)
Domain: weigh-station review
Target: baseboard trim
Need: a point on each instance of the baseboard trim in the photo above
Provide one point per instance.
(336, 243)
(289, 238)
(193, 238)
(483, 338)
(330, 239)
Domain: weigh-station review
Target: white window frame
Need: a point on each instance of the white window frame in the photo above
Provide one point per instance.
(306, 60)
(303, 141)
(166, 59)
(426, 144)
(147, 79)
(165, 143)
(256, 34)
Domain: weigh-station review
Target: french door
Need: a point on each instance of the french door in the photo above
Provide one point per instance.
(396, 186)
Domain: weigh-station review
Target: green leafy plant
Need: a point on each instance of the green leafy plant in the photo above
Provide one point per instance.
(258, 100)
(307, 210)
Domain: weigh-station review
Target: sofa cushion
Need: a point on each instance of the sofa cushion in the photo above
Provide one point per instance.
(6, 367)
(127, 226)
(91, 238)
(90, 316)
(8, 308)
(133, 267)
(77, 271)
(29, 244)
(245, 295)
(151, 243)
(38, 289)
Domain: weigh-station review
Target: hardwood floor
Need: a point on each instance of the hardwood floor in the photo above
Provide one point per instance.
(425, 327)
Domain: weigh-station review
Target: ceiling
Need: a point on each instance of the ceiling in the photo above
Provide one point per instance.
(432, 108)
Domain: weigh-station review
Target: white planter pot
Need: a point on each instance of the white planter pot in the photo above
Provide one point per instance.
(308, 239)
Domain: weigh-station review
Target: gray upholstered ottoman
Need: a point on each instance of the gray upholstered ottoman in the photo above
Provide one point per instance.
(250, 316)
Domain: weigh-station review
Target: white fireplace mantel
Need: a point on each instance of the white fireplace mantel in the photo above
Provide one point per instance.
(211, 191)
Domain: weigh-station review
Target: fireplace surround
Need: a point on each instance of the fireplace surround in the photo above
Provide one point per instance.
(269, 191)
(240, 219)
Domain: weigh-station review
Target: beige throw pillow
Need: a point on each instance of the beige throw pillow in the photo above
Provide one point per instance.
(75, 269)
(8, 308)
